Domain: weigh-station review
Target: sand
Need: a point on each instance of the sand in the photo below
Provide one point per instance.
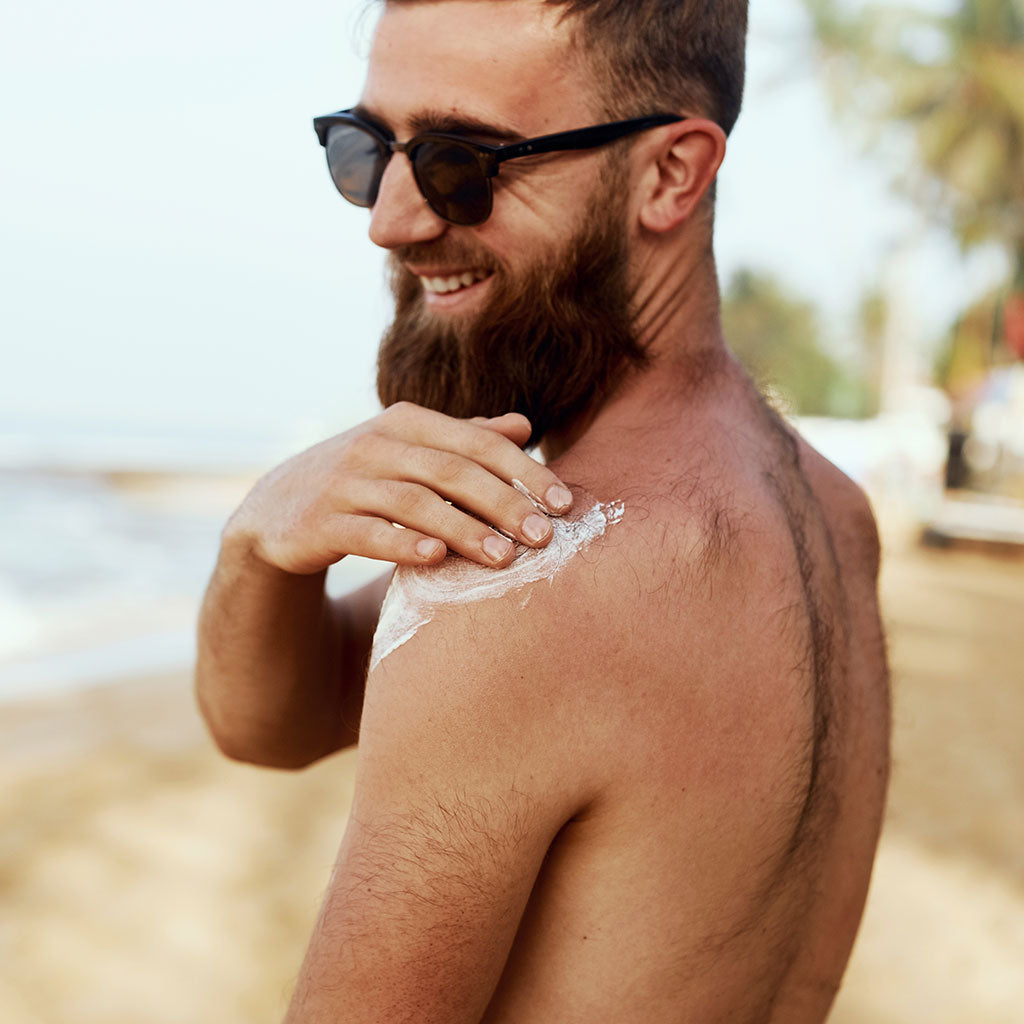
(144, 879)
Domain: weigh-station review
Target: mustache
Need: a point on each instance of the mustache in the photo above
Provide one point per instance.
(443, 251)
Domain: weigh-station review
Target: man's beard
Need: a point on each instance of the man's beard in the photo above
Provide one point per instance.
(551, 343)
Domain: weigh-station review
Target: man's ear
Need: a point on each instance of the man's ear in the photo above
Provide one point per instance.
(680, 172)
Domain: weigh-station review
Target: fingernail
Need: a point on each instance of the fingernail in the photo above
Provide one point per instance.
(496, 548)
(558, 497)
(427, 548)
(535, 528)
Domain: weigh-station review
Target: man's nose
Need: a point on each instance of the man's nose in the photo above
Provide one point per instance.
(400, 216)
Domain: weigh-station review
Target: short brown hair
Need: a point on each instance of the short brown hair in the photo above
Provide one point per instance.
(674, 56)
(680, 56)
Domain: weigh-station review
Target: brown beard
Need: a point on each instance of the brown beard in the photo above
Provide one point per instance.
(550, 344)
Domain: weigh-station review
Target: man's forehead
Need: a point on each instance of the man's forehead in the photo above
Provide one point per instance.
(505, 64)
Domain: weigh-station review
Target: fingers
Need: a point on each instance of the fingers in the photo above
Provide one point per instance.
(455, 479)
(487, 447)
(512, 425)
(423, 512)
(452, 484)
(371, 537)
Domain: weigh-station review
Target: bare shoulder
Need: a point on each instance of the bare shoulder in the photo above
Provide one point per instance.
(554, 657)
(420, 594)
(501, 637)
(555, 610)
(846, 508)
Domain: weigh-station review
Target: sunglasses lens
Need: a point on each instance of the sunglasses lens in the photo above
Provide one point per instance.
(453, 182)
(356, 161)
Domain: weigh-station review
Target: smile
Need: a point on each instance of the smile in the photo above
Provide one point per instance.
(445, 284)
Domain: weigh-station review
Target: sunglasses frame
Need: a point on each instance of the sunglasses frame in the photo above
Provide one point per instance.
(489, 158)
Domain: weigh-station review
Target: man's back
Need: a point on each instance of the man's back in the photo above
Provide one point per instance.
(722, 873)
(650, 788)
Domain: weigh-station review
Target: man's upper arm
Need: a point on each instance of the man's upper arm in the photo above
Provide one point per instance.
(353, 619)
(464, 778)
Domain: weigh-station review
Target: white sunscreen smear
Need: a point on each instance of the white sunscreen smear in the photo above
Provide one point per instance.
(416, 592)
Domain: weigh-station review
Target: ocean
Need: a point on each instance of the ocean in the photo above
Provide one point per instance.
(107, 540)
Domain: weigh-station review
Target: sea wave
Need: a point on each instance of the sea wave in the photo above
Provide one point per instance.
(101, 574)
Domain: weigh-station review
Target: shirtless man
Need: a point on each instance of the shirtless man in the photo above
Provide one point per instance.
(645, 783)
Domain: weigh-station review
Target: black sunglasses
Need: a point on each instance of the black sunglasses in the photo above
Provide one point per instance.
(453, 174)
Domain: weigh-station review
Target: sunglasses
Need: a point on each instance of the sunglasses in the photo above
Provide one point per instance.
(452, 173)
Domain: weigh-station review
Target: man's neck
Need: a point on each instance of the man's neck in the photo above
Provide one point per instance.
(676, 298)
(679, 321)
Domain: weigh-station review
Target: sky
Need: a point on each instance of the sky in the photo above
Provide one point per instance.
(174, 256)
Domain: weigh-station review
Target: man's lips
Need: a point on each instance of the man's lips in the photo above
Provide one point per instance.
(444, 282)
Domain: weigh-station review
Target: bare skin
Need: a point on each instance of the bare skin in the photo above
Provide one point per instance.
(732, 757)
(280, 669)
(653, 792)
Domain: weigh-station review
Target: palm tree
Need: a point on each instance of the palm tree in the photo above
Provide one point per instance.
(954, 83)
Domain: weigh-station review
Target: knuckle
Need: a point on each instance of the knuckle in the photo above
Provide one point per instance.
(406, 500)
(448, 467)
(475, 531)
(517, 509)
(488, 444)
(379, 536)
(364, 450)
(386, 534)
(400, 412)
(469, 540)
(543, 482)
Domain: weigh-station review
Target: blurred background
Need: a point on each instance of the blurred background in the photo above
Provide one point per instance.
(186, 301)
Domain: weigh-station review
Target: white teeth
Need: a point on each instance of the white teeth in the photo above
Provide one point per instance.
(444, 285)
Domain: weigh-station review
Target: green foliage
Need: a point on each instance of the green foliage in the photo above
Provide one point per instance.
(954, 83)
(971, 348)
(872, 321)
(777, 337)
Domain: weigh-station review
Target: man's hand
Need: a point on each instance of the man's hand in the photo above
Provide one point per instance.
(281, 669)
(443, 480)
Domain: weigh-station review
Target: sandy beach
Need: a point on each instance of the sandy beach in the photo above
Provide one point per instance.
(144, 879)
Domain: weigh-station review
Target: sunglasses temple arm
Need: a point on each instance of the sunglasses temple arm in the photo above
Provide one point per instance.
(582, 138)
